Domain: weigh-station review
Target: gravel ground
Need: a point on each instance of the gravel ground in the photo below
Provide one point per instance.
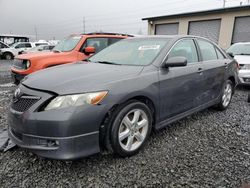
(207, 149)
(5, 71)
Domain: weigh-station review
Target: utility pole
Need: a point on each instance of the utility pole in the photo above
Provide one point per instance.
(83, 22)
(36, 32)
(248, 2)
(224, 3)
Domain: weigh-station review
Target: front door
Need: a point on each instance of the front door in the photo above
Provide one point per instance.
(180, 87)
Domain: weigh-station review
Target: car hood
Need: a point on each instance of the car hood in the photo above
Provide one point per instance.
(6, 49)
(80, 77)
(242, 59)
(40, 55)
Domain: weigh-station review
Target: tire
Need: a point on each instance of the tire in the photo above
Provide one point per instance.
(130, 128)
(227, 93)
(8, 56)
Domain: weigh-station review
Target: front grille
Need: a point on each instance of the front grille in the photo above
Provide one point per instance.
(24, 103)
(19, 64)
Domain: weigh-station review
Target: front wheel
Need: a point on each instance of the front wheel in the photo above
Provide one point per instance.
(131, 128)
(8, 56)
(227, 94)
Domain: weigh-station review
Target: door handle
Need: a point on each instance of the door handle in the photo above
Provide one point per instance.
(200, 70)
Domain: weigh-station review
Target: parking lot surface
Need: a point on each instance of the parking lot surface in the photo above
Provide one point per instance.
(207, 149)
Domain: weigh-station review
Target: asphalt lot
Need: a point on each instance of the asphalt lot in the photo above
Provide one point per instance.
(207, 149)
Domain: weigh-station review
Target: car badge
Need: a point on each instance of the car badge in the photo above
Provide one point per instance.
(17, 94)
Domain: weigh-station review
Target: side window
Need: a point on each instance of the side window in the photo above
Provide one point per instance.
(98, 43)
(219, 54)
(185, 48)
(113, 40)
(27, 45)
(46, 48)
(19, 46)
(207, 50)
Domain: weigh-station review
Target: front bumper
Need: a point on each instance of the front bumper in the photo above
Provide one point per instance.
(244, 76)
(59, 134)
(63, 148)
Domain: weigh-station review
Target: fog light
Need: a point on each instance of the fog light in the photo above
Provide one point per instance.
(52, 143)
(247, 79)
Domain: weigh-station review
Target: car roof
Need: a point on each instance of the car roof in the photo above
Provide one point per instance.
(174, 37)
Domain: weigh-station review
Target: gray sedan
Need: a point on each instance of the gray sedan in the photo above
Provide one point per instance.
(114, 100)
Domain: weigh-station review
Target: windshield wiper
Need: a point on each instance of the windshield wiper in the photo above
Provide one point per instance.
(242, 54)
(57, 51)
(107, 62)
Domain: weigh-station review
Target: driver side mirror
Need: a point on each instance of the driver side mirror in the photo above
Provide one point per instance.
(231, 54)
(175, 62)
(89, 50)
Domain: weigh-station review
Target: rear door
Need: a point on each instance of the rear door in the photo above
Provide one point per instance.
(180, 87)
(214, 69)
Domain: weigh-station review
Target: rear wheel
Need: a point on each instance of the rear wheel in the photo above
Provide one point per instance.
(227, 93)
(8, 56)
(131, 128)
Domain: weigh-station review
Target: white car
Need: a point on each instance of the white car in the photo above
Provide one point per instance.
(241, 53)
(41, 48)
(18, 48)
(3, 45)
(15, 49)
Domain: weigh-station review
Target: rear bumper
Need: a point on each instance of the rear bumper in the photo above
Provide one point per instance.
(63, 148)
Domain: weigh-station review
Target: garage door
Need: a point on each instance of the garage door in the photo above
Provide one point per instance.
(167, 29)
(241, 30)
(209, 29)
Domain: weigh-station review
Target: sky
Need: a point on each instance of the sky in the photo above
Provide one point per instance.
(56, 19)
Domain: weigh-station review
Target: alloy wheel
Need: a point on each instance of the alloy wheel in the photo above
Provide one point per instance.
(227, 95)
(133, 130)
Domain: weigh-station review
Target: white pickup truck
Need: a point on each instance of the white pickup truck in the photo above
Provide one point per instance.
(17, 48)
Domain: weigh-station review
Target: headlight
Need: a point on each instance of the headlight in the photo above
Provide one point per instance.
(76, 100)
(26, 63)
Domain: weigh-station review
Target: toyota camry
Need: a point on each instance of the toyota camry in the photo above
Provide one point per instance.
(115, 99)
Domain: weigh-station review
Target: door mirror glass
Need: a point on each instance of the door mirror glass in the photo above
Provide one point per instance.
(231, 54)
(89, 50)
(176, 62)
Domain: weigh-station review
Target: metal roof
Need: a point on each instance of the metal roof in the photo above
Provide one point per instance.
(196, 13)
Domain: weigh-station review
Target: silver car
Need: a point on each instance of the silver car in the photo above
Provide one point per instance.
(241, 52)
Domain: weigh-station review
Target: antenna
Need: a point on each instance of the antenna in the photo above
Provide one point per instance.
(83, 24)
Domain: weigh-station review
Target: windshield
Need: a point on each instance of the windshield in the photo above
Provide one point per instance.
(13, 45)
(67, 44)
(140, 51)
(239, 49)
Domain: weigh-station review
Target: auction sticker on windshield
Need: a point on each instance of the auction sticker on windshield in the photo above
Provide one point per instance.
(149, 47)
